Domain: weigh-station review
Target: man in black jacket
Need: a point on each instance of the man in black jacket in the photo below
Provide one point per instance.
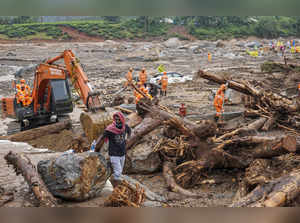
(115, 134)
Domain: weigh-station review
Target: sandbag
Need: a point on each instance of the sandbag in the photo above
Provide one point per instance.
(75, 176)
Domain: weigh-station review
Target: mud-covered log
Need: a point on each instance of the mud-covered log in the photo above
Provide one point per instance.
(277, 193)
(170, 180)
(23, 165)
(222, 80)
(254, 126)
(268, 124)
(133, 120)
(38, 132)
(146, 126)
(287, 142)
(276, 147)
(204, 129)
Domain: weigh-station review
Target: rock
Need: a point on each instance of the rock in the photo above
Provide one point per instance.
(220, 44)
(141, 159)
(197, 50)
(11, 54)
(253, 44)
(172, 43)
(75, 176)
(110, 42)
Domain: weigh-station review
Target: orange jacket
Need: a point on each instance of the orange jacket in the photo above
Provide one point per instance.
(143, 77)
(129, 76)
(138, 96)
(164, 81)
(218, 100)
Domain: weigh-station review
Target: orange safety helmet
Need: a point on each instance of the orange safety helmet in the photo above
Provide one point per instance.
(22, 81)
(165, 73)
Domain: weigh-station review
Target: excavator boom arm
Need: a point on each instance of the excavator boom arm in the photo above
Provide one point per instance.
(79, 79)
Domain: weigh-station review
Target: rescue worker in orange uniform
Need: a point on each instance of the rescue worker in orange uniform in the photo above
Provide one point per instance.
(138, 96)
(299, 89)
(209, 57)
(219, 101)
(143, 76)
(164, 84)
(182, 110)
(23, 93)
(129, 77)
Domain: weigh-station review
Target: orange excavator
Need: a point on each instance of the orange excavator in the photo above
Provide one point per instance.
(51, 94)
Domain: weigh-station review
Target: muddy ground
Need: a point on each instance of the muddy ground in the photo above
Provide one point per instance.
(106, 64)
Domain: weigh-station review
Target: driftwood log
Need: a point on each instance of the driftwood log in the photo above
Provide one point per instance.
(276, 193)
(23, 165)
(38, 132)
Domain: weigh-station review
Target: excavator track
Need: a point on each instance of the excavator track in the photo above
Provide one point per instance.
(13, 127)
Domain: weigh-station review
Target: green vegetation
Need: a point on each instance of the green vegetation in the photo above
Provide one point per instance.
(17, 31)
(129, 29)
(225, 27)
(143, 27)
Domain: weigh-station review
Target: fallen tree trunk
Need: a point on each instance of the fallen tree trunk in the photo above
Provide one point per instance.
(23, 165)
(170, 180)
(146, 126)
(254, 126)
(277, 193)
(276, 147)
(268, 124)
(204, 129)
(38, 132)
(188, 174)
(269, 99)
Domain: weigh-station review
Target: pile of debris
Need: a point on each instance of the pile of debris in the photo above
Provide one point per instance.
(124, 195)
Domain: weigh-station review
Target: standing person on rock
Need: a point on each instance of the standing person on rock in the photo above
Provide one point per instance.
(115, 134)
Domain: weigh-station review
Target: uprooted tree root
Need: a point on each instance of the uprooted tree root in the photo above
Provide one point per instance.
(124, 195)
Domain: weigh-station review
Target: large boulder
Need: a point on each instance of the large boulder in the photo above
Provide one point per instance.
(172, 43)
(75, 176)
(142, 160)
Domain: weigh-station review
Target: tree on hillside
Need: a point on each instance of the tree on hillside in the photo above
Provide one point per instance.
(149, 21)
(113, 19)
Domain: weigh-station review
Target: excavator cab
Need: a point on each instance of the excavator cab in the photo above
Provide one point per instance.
(61, 102)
